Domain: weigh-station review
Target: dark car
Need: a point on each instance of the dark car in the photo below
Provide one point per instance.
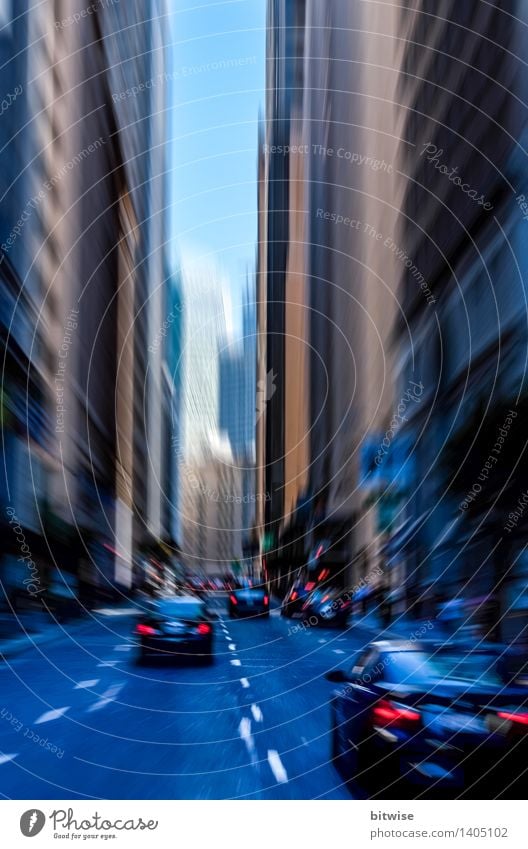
(175, 629)
(295, 597)
(327, 606)
(437, 720)
(249, 599)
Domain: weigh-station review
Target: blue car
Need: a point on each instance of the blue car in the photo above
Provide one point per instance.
(438, 720)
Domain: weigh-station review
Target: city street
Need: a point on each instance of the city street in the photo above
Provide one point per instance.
(80, 718)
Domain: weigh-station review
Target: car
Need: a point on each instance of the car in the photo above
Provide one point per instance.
(327, 606)
(440, 720)
(295, 597)
(249, 599)
(176, 628)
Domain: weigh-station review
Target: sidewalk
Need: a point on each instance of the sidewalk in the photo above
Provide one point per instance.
(24, 631)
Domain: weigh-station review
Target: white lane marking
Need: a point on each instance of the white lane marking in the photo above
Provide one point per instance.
(231, 647)
(51, 714)
(304, 741)
(107, 697)
(245, 683)
(124, 611)
(280, 774)
(83, 685)
(5, 758)
(228, 637)
(321, 641)
(244, 729)
(109, 663)
(235, 662)
(275, 612)
(257, 713)
(338, 651)
(125, 647)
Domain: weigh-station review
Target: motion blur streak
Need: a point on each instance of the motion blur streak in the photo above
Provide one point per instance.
(264, 330)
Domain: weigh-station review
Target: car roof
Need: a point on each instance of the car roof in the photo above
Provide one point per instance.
(399, 645)
(181, 599)
(452, 645)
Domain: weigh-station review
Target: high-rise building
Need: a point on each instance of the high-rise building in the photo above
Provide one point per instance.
(282, 390)
(337, 305)
(461, 331)
(83, 235)
(237, 363)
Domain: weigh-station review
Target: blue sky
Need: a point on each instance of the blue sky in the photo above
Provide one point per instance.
(214, 125)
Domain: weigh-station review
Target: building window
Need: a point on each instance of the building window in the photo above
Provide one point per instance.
(6, 14)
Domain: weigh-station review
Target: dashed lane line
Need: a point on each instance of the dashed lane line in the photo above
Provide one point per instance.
(50, 715)
(276, 766)
(257, 713)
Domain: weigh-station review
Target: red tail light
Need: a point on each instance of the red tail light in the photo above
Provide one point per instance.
(145, 630)
(309, 586)
(293, 596)
(520, 718)
(388, 713)
(266, 599)
(232, 599)
(204, 628)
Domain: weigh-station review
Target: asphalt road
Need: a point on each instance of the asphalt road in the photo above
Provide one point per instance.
(80, 719)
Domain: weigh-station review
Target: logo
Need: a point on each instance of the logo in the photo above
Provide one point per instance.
(32, 822)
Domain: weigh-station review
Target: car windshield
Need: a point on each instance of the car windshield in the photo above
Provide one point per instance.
(185, 609)
(415, 667)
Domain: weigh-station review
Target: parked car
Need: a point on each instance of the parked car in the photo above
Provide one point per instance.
(249, 599)
(295, 597)
(176, 628)
(328, 606)
(447, 719)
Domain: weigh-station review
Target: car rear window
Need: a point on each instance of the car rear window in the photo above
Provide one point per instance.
(414, 667)
(183, 609)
